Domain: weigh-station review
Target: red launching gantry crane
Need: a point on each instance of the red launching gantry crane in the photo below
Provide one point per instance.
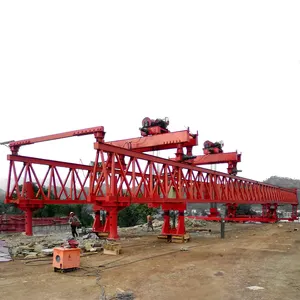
(122, 174)
(157, 139)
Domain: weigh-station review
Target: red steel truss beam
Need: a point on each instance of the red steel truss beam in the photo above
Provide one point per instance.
(158, 142)
(143, 179)
(98, 131)
(218, 158)
(65, 182)
(189, 183)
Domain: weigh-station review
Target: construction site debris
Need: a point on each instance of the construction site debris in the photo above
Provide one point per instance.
(219, 273)
(192, 223)
(112, 248)
(47, 252)
(124, 295)
(4, 252)
(24, 246)
(27, 247)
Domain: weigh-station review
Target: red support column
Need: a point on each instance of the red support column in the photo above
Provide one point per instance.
(264, 211)
(274, 212)
(97, 226)
(113, 224)
(213, 212)
(180, 225)
(231, 210)
(166, 227)
(106, 225)
(28, 221)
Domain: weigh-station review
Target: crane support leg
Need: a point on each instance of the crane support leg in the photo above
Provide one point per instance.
(269, 213)
(180, 225)
(166, 227)
(97, 226)
(213, 212)
(106, 224)
(177, 234)
(231, 210)
(101, 226)
(113, 224)
(28, 221)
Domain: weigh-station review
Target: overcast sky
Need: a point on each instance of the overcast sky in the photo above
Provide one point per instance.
(229, 69)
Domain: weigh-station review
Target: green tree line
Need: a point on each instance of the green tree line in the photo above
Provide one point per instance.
(129, 216)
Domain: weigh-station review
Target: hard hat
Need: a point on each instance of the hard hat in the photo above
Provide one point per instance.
(71, 213)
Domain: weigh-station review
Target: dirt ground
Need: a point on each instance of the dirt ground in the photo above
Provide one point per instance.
(264, 255)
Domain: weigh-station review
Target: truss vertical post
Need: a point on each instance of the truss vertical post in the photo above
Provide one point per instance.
(28, 221)
(113, 224)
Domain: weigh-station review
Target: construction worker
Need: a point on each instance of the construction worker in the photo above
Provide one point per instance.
(149, 222)
(74, 222)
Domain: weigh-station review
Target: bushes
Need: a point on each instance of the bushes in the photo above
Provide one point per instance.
(134, 214)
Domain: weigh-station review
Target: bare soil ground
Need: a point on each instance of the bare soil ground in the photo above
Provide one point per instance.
(262, 255)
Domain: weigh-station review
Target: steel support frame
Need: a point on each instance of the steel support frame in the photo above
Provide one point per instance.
(121, 177)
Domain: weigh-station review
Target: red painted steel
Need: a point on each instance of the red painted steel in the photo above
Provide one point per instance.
(97, 131)
(120, 177)
(145, 179)
(157, 142)
(65, 182)
(16, 223)
(231, 158)
(179, 140)
(159, 177)
(218, 158)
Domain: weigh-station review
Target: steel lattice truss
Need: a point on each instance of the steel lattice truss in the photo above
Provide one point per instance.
(123, 176)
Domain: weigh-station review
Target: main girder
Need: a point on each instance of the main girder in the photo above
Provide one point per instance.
(121, 177)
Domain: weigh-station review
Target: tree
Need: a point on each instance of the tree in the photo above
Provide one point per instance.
(51, 210)
(134, 214)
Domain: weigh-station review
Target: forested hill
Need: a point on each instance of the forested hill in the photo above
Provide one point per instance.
(284, 182)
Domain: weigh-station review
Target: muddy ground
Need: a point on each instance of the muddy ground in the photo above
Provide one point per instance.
(263, 255)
